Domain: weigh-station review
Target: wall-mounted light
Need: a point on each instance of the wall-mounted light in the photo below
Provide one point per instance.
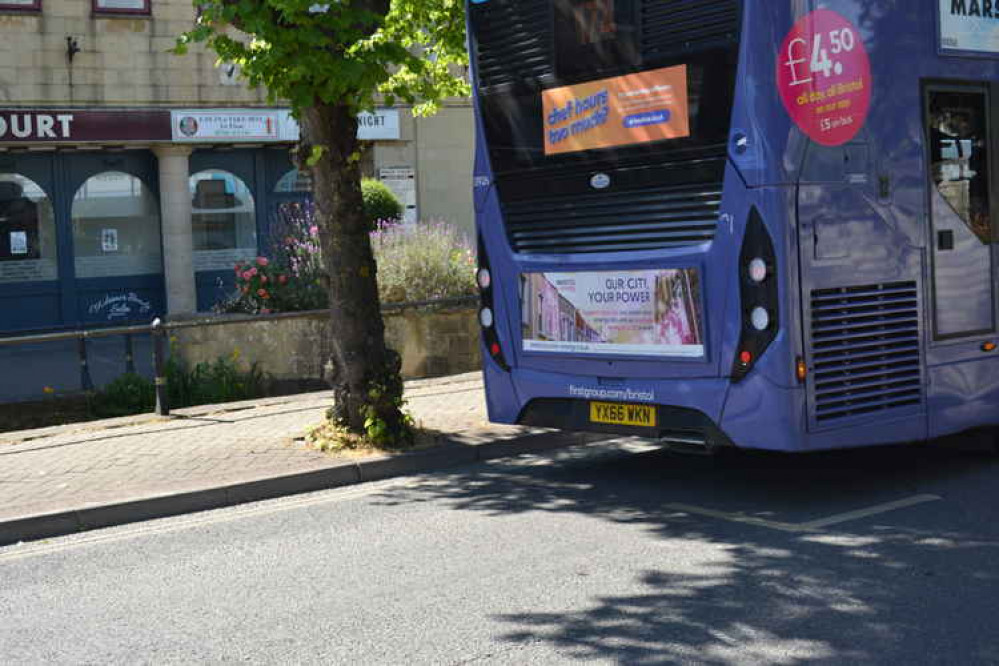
(72, 47)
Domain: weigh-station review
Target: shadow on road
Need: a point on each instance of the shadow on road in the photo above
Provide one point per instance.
(915, 586)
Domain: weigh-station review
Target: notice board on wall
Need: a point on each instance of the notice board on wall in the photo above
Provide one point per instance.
(402, 181)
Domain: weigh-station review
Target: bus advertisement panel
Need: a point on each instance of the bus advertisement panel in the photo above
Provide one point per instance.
(620, 111)
(646, 313)
(966, 26)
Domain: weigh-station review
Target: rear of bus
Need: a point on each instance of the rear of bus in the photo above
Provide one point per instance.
(635, 220)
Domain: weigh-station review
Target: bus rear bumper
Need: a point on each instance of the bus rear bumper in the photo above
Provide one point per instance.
(708, 412)
(677, 425)
(686, 410)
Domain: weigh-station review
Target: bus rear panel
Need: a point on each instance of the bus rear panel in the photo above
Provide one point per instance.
(739, 222)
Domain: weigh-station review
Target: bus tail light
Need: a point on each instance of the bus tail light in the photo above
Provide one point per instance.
(801, 370)
(487, 318)
(759, 296)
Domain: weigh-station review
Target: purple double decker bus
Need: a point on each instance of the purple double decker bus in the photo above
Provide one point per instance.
(759, 223)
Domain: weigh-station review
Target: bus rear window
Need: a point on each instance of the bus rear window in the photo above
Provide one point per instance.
(593, 36)
(686, 105)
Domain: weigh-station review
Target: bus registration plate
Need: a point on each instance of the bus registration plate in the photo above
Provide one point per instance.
(620, 414)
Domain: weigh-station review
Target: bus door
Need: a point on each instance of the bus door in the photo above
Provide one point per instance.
(959, 156)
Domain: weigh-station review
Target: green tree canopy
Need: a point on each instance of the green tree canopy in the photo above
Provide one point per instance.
(329, 61)
(340, 51)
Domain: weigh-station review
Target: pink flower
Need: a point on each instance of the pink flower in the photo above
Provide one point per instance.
(262, 293)
(239, 269)
(262, 261)
(282, 279)
(263, 279)
(313, 230)
(247, 275)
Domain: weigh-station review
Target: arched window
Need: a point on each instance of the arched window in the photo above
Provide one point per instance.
(27, 231)
(116, 227)
(294, 182)
(223, 220)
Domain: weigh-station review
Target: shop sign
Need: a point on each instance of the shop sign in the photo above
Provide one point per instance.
(228, 125)
(181, 125)
(22, 126)
(969, 25)
(380, 125)
(120, 306)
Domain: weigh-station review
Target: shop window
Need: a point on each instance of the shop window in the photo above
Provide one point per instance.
(116, 227)
(294, 182)
(27, 231)
(223, 220)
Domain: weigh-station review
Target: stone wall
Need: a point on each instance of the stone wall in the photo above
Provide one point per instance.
(123, 60)
(294, 348)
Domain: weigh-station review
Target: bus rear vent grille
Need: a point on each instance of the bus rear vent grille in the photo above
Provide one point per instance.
(634, 220)
(514, 40)
(672, 26)
(865, 349)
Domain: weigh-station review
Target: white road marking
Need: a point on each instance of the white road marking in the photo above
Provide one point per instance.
(811, 525)
(735, 517)
(868, 512)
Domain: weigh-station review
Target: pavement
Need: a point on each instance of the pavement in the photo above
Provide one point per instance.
(65, 479)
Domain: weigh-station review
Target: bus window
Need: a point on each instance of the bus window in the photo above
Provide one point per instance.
(958, 148)
(959, 155)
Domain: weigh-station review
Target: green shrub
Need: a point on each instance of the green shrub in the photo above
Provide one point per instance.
(212, 383)
(380, 204)
(206, 384)
(126, 395)
(423, 262)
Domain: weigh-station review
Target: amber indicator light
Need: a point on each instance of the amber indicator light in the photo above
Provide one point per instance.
(801, 370)
(989, 347)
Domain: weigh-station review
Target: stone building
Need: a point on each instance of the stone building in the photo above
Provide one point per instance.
(132, 180)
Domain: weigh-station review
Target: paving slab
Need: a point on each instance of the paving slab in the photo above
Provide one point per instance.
(82, 476)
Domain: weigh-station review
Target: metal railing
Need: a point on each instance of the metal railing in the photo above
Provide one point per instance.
(157, 329)
(160, 331)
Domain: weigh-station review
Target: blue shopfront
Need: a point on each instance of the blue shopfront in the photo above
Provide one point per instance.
(239, 201)
(81, 239)
(81, 211)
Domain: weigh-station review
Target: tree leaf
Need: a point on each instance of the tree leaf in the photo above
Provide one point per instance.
(315, 155)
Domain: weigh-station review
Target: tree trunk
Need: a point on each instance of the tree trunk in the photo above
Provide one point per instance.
(366, 381)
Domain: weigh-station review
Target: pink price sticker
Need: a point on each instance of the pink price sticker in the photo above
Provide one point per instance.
(824, 76)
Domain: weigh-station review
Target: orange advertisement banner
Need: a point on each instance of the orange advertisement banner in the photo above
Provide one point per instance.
(624, 110)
